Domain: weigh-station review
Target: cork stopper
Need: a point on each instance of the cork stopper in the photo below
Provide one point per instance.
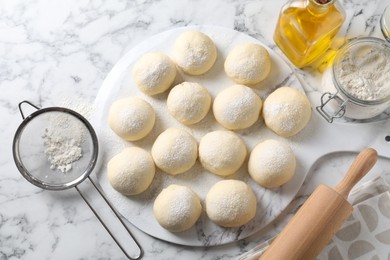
(322, 2)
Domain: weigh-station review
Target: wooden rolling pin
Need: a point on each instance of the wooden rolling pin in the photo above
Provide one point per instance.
(320, 217)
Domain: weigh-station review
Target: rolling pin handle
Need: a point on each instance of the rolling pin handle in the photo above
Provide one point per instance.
(360, 167)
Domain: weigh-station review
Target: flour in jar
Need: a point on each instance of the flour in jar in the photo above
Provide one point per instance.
(364, 73)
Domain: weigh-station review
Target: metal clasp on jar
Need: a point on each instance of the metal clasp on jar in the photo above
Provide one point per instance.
(325, 99)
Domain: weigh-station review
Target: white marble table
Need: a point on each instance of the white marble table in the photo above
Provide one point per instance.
(53, 52)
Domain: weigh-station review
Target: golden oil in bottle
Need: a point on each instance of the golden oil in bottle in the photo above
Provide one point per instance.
(306, 28)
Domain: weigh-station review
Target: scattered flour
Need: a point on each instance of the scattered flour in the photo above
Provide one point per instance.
(177, 208)
(194, 52)
(237, 107)
(175, 151)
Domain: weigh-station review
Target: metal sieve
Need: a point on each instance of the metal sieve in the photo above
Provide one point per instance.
(30, 154)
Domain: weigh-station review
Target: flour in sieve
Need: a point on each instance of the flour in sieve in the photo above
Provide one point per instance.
(62, 140)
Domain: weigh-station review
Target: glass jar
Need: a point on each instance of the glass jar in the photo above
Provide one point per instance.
(361, 79)
(385, 23)
(306, 28)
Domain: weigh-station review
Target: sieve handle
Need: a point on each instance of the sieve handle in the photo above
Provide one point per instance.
(126, 241)
(26, 102)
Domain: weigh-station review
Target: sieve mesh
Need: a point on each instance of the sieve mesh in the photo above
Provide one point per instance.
(45, 144)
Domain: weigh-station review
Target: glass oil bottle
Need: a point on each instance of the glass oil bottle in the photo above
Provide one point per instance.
(306, 28)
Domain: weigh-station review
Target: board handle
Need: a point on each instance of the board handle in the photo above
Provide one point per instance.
(363, 163)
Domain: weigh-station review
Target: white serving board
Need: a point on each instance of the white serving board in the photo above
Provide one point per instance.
(317, 139)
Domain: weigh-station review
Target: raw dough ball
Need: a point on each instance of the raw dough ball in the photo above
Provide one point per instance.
(194, 52)
(248, 64)
(154, 73)
(222, 152)
(131, 171)
(237, 107)
(175, 151)
(271, 163)
(286, 111)
(131, 118)
(177, 208)
(188, 102)
(231, 203)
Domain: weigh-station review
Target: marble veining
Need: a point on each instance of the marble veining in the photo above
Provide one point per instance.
(52, 51)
